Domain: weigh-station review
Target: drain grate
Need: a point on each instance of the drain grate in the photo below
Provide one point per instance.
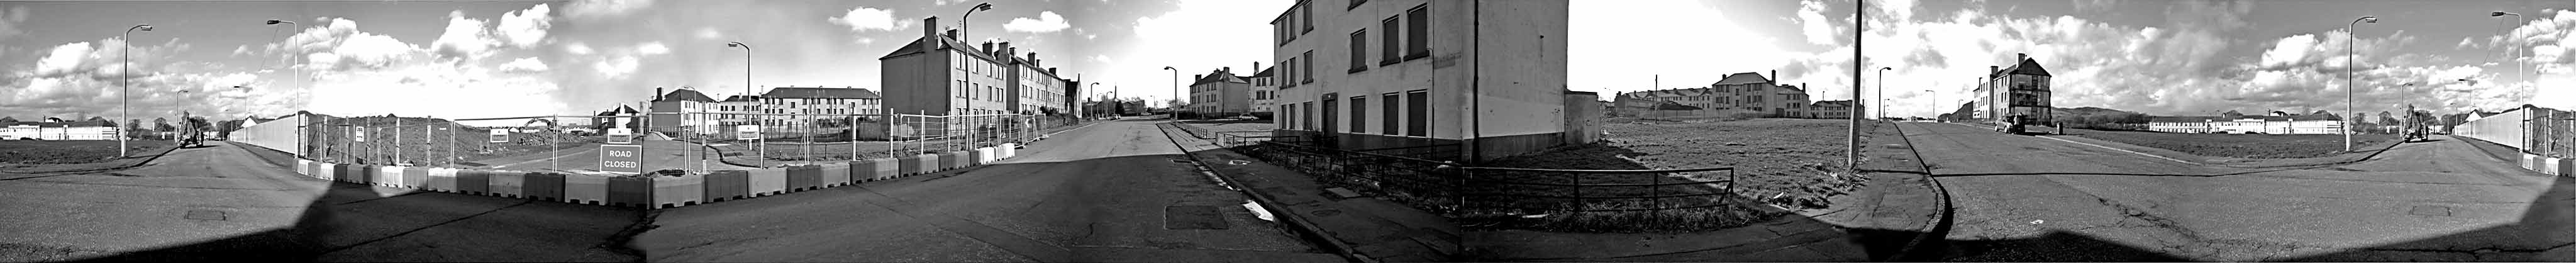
(210, 215)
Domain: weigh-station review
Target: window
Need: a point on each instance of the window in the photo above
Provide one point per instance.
(1309, 57)
(1359, 114)
(1390, 109)
(1418, 117)
(1306, 16)
(1359, 50)
(1389, 50)
(1287, 116)
(1306, 116)
(1288, 70)
(1417, 41)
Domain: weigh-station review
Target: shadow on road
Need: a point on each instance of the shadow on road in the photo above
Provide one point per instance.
(2549, 223)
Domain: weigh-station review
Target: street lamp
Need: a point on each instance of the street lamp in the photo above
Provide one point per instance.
(1176, 94)
(2517, 70)
(757, 146)
(2348, 72)
(126, 108)
(962, 31)
(1882, 90)
(297, 72)
(1936, 103)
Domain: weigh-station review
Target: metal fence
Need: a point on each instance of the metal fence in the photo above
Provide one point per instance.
(771, 139)
(695, 142)
(1580, 199)
(2539, 131)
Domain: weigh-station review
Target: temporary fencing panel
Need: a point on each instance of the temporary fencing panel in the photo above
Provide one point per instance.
(441, 179)
(509, 184)
(728, 185)
(630, 191)
(544, 186)
(804, 177)
(415, 177)
(835, 175)
(768, 181)
(676, 191)
(474, 182)
(585, 189)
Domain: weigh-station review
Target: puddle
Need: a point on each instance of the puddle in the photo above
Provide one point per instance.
(1257, 211)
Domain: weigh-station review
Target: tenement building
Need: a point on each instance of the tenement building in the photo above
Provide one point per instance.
(1485, 78)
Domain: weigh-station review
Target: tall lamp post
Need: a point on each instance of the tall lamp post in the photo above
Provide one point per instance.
(1176, 94)
(2348, 73)
(747, 95)
(962, 31)
(1935, 100)
(126, 108)
(1882, 90)
(2518, 50)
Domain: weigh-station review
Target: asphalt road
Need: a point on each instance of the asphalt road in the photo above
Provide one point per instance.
(222, 203)
(1106, 193)
(2025, 198)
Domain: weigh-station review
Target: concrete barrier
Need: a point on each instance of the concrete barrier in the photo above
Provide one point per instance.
(2530, 162)
(912, 165)
(585, 189)
(304, 167)
(544, 186)
(387, 176)
(728, 185)
(956, 159)
(440, 179)
(415, 177)
(836, 175)
(1009, 150)
(801, 178)
(2555, 166)
(631, 191)
(876, 169)
(768, 181)
(980, 156)
(677, 191)
(474, 182)
(509, 184)
(327, 171)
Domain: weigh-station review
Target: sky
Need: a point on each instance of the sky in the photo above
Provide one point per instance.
(476, 59)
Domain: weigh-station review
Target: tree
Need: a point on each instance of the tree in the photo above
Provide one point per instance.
(132, 127)
(162, 124)
(8, 120)
(2232, 115)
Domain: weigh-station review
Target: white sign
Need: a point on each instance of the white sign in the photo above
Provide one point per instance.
(360, 134)
(500, 135)
(626, 159)
(746, 132)
(620, 136)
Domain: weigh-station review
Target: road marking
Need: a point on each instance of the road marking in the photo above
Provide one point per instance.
(2118, 149)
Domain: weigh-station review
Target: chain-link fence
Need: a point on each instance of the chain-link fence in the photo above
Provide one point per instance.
(694, 142)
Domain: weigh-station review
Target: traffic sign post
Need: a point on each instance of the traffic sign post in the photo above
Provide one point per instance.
(620, 136)
(500, 135)
(624, 159)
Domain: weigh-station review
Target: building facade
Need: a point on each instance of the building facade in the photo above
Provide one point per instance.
(937, 74)
(1379, 74)
(666, 109)
(818, 105)
(1834, 109)
(738, 106)
(1740, 93)
(2017, 94)
(1265, 92)
(60, 130)
(1220, 93)
(2274, 124)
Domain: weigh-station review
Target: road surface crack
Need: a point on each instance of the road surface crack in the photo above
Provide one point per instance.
(408, 232)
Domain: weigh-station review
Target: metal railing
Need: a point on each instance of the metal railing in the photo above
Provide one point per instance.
(1449, 188)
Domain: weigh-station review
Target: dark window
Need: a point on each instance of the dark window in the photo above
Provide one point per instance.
(1418, 40)
(1331, 122)
(1418, 117)
(1391, 48)
(1359, 114)
(1306, 16)
(1279, 31)
(1309, 57)
(1359, 50)
(1288, 116)
(1392, 106)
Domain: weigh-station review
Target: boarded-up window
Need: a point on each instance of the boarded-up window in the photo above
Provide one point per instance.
(1359, 114)
(1417, 37)
(1419, 115)
(1393, 105)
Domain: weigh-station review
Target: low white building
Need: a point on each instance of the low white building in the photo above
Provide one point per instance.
(2309, 124)
(60, 131)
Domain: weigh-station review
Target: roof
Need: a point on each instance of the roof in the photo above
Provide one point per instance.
(820, 93)
(686, 95)
(915, 47)
(1743, 78)
(2026, 66)
(2248, 117)
(1219, 76)
(740, 98)
(1265, 72)
(1790, 89)
(1843, 103)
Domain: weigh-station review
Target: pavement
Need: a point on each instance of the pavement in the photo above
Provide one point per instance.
(1362, 228)
(1112, 192)
(2021, 198)
(231, 202)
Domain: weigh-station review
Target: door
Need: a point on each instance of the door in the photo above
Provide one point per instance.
(1332, 122)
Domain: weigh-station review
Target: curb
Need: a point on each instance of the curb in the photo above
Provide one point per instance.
(1938, 226)
(1297, 221)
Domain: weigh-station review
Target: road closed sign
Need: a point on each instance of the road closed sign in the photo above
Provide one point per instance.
(746, 132)
(627, 159)
(500, 135)
(620, 136)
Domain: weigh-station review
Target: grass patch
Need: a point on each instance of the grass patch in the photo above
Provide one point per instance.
(74, 152)
(2253, 146)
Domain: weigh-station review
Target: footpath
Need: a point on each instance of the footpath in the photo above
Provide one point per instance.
(1897, 217)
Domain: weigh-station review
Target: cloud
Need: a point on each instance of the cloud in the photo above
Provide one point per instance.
(1047, 21)
(65, 59)
(863, 19)
(10, 19)
(525, 28)
(464, 38)
(88, 78)
(616, 67)
(652, 48)
(604, 9)
(524, 65)
(1818, 29)
(709, 33)
(578, 48)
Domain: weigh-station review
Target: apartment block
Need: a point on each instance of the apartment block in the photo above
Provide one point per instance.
(1486, 78)
(1745, 93)
(1220, 93)
(937, 74)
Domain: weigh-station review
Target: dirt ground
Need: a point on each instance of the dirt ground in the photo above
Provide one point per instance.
(2258, 146)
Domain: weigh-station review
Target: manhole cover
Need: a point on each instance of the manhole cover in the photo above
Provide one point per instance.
(1181, 217)
(205, 215)
(2430, 210)
(1326, 212)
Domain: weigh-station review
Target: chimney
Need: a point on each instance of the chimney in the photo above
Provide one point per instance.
(657, 93)
(1050, 71)
(952, 33)
(988, 48)
(1228, 70)
(930, 32)
(1256, 65)
(1775, 77)
(1006, 46)
(1991, 70)
(2018, 57)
